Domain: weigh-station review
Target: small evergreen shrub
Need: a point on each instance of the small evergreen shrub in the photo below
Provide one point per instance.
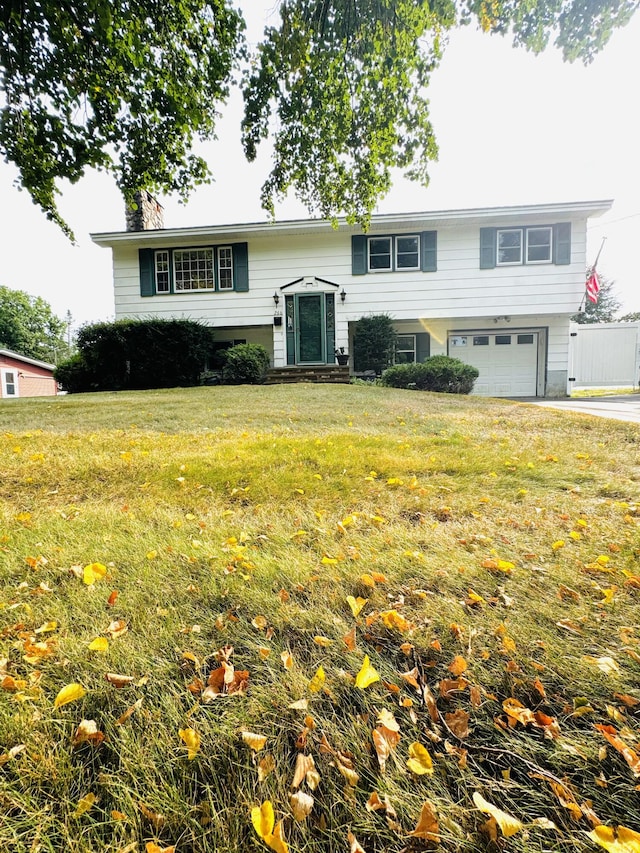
(245, 364)
(438, 373)
(374, 343)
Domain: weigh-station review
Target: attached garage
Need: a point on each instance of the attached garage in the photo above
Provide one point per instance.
(508, 360)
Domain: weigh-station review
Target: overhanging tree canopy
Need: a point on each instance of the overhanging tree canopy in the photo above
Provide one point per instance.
(339, 85)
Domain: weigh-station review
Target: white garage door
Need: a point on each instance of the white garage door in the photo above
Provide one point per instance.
(507, 361)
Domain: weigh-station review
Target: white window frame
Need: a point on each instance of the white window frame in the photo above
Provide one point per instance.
(519, 262)
(415, 237)
(540, 228)
(380, 269)
(162, 272)
(207, 250)
(228, 267)
(15, 383)
(412, 349)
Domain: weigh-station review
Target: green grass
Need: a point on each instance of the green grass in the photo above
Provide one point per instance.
(210, 507)
(603, 392)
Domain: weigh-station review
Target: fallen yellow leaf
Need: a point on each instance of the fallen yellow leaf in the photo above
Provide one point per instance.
(616, 840)
(419, 761)
(84, 804)
(317, 682)
(356, 604)
(367, 675)
(69, 694)
(100, 644)
(508, 824)
(263, 819)
(191, 739)
(254, 741)
(93, 572)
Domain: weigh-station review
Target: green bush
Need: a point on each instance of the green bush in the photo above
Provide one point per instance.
(73, 375)
(438, 373)
(374, 343)
(138, 354)
(245, 364)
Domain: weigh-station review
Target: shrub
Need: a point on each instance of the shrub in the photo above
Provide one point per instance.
(438, 373)
(137, 354)
(73, 375)
(374, 343)
(245, 364)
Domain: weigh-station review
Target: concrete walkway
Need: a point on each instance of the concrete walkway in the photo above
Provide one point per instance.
(620, 407)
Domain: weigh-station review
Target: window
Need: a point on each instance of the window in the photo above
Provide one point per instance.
(535, 244)
(163, 283)
(394, 253)
(525, 339)
(405, 349)
(225, 268)
(408, 253)
(510, 246)
(203, 269)
(481, 341)
(193, 269)
(9, 383)
(405, 252)
(502, 340)
(380, 253)
(539, 245)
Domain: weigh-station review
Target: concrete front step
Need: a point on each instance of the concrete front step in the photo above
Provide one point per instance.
(329, 373)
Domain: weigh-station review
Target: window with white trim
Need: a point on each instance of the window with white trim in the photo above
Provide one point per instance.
(379, 253)
(225, 268)
(525, 245)
(9, 383)
(405, 349)
(408, 252)
(163, 282)
(193, 269)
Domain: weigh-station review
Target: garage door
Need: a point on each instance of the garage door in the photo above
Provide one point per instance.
(507, 361)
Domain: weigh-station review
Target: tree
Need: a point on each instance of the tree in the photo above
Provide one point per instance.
(374, 343)
(128, 85)
(29, 326)
(605, 309)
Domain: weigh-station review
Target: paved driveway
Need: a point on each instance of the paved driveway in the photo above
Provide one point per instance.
(621, 407)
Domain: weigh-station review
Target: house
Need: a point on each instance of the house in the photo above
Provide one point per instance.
(494, 286)
(21, 376)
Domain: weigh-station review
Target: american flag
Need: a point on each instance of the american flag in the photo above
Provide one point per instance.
(593, 285)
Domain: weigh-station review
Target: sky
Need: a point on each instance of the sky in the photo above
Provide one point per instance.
(512, 128)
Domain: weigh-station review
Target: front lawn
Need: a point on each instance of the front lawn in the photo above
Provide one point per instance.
(401, 620)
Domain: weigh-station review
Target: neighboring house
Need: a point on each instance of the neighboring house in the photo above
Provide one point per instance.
(21, 376)
(495, 287)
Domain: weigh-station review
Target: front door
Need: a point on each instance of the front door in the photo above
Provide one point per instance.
(310, 328)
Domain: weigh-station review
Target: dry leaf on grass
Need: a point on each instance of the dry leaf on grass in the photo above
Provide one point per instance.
(70, 693)
(508, 824)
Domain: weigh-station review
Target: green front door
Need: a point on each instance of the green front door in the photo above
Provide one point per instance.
(310, 329)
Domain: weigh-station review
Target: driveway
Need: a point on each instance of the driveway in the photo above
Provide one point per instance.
(620, 407)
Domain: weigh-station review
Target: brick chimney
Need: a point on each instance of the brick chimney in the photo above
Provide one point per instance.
(147, 215)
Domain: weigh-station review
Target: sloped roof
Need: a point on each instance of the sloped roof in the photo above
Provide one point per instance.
(26, 359)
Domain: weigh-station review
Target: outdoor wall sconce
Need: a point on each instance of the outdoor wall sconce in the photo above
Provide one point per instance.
(276, 298)
(343, 295)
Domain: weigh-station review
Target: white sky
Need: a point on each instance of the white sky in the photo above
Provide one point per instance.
(512, 129)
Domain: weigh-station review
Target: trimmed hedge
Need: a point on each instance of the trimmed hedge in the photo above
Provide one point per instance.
(374, 343)
(438, 373)
(136, 354)
(245, 364)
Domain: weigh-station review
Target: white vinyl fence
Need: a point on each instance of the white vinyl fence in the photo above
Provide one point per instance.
(604, 355)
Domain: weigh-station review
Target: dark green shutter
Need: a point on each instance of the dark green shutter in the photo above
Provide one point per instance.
(487, 248)
(429, 251)
(147, 272)
(423, 346)
(330, 320)
(562, 243)
(240, 253)
(358, 254)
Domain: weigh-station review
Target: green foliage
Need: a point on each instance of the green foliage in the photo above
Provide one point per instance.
(128, 87)
(438, 373)
(602, 311)
(124, 87)
(633, 317)
(29, 326)
(137, 354)
(374, 343)
(245, 364)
